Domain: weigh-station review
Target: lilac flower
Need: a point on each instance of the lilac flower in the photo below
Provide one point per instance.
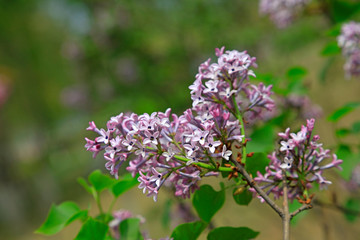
(170, 153)
(285, 146)
(211, 145)
(151, 137)
(129, 142)
(227, 93)
(200, 136)
(349, 41)
(303, 164)
(115, 146)
(211, 86)
(226, 153)
(191, 148)
(104, 136)
(166, 149)
(287, 163)
(282, 12)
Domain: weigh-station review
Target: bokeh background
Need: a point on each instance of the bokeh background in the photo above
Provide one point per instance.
(64, 63)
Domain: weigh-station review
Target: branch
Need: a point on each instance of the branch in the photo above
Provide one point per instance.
(252, 183)
(299, 210)
(286, 217)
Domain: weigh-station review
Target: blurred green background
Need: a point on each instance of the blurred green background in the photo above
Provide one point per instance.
(64, 63)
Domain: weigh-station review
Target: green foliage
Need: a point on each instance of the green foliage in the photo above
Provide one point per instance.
(60, 216)
(343, 132)
(261, 139)
(257, 162)
(92, 230)
(356, 127)
(188, 231)
(207, 202)
(343, 111)
(350, 160)
(343, 10)
(130, 229)
(296, 73)
(330, 49)
(353, 206)
(100, 181)
(242, 198)
(124, 185)
(232, 233)
(296, 76)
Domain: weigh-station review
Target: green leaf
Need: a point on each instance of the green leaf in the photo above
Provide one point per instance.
(334, 31)
(242, 198)
(330, 49)
(232, 233)
(130, 229)
(356, 127)
(101, 181)
(87, 187)
(124, 185)
(261, 139)
(343, 111)
(350, 160)
(59, 217)
(353, 204)
(257, 162)
(92, 230)
(296, 73)
(342, 132)
(188, 231)
(343, 10)
(207, 202)
(326, 67)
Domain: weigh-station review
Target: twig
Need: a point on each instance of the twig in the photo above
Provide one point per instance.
(299, 210)
(286, 217)
(252, 183)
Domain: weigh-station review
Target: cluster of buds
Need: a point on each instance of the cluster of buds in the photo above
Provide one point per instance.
(300, 159)
(282, 12)
(180, 150)
(349, 41)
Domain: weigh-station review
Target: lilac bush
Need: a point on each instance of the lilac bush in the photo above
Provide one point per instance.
(208, 139)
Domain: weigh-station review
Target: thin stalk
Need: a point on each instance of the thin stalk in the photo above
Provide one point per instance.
(204, 165)
(98, 203)
(110, 209)
(242, 128)
(286, 216)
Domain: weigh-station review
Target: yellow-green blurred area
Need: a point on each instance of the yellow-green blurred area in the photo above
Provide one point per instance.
(64, 63)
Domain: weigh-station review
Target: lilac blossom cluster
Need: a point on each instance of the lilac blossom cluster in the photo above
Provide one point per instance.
(349, 41)
(282, 12)
(180, 150)
(305, 107)
(301, 157)
(225, 83)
